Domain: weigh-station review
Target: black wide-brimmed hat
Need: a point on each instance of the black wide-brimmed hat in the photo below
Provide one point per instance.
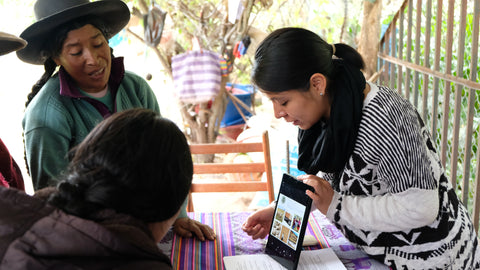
(52, 13)
(10, 43)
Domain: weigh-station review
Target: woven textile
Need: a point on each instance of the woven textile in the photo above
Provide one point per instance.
(190, 253)
(196, 76)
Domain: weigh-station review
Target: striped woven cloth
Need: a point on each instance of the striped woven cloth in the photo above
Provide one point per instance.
(196, 76)
(190, 253)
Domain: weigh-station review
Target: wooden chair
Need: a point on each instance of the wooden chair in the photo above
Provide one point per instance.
(223, 168)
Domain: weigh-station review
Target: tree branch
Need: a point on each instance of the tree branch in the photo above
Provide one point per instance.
(161, 55)
(143, 6)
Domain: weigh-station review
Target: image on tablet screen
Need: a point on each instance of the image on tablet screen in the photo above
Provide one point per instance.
(288, 221)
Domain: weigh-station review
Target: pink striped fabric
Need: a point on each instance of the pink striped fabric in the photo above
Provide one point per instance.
(196, 76)
(190, 253)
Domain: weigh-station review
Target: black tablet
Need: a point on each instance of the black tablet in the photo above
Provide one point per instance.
(289, 222)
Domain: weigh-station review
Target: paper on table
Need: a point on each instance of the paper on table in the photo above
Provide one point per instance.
(324, 259)
(254, 261)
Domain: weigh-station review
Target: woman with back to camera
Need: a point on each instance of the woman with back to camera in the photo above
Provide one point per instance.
(367, 153)
(124, 189)
(90, 85)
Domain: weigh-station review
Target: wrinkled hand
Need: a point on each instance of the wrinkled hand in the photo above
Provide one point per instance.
(258, 224)
(323, 191)
(187, 227)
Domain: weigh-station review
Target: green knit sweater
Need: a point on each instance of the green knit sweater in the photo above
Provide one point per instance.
(54, 123)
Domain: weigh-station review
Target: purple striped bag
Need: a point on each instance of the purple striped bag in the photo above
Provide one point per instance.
(196, 76)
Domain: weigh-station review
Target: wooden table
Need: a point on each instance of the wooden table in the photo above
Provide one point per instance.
(190, 253)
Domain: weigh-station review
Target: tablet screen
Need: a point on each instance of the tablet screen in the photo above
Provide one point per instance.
(289, 222)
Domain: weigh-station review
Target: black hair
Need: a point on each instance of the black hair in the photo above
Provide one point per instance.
(53, 47)
(288, 57)
(134, 162)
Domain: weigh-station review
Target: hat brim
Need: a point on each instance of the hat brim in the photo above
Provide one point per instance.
(114, 14)
(10, 43)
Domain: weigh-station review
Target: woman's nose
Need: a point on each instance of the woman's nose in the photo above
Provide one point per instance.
(91, 57)
(278, 112)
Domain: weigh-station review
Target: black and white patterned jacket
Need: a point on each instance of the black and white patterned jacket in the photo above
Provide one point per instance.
(394, 200)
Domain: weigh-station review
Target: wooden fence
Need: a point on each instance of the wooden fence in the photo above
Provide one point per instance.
(429, 53)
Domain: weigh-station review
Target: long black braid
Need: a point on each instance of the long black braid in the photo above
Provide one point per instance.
(50, 67)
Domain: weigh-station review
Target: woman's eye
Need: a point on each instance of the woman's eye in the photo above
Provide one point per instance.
(98, 45)
(76, 53)
(284, 103)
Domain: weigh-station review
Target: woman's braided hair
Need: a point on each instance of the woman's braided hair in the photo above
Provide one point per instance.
(134, 162)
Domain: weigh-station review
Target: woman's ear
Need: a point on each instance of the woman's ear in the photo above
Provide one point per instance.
(318, 83)
(56, 60)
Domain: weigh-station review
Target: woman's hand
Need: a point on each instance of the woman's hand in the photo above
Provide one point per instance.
(187, 227)
(258, 224)
(323, 191)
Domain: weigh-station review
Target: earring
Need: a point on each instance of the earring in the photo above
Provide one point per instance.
(321, 94)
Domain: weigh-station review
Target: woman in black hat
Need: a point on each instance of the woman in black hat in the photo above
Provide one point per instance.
(89, 86)
(10, 174)
(118, 199)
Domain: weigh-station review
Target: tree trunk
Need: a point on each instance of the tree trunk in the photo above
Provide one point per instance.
(201, 121)
(370, 35)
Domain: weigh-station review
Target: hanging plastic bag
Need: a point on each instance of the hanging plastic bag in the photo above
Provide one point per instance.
(153, 23)
(196, 76)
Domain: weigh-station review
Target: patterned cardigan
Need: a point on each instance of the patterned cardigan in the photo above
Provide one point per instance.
(394, 200)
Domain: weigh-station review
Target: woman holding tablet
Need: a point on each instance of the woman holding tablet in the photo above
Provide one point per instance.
(366, 152)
